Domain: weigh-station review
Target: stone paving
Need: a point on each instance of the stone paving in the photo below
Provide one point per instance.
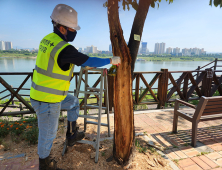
(206, 155)
(158, 126)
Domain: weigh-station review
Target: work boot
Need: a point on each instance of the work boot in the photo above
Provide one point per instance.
(72, 134)
(48, 164)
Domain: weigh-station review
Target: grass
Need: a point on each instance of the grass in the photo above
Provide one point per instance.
(139, 107)
(186, 144)
(139, 147)
(15, 102)
(176, 161)
(204, 153)
(195, 102)
(174, 146)
(28, 54)
(103, 153)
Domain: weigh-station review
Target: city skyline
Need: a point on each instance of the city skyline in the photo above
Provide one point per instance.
(158, 49)
(25, 26)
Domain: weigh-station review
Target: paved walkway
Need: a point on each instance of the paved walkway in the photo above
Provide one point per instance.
(158, 124)
(207, 154)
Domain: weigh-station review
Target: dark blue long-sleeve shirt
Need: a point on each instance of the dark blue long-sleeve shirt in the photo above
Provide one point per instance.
(71, 55)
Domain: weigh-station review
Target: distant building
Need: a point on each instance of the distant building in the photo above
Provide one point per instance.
(180, 54)
(2, 45)
(186, 52)
(162, 48)
(33, 50)
(144, 48)
(91, 49)
(25, 49)
(80, 49)
(8, 45)
(110, 48)
(105, 52)
(159, 48)
(176, 51)
(169, 50)
(196, 51)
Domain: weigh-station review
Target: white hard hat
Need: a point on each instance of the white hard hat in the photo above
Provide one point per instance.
(65, 15)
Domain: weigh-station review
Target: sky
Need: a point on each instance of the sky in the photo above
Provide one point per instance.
(183, 24)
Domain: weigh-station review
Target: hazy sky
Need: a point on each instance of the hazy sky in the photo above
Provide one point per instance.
(183, 24)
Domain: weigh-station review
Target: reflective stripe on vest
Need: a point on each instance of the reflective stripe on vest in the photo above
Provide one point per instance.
(48, 90)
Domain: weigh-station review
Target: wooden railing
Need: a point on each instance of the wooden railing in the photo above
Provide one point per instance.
(190, 85)
(161, 89)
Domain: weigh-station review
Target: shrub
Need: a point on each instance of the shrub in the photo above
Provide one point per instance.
(31, 134)
(4, 130)
(17, 128)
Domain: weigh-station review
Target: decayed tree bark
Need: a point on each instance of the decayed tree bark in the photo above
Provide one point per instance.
(123, 103)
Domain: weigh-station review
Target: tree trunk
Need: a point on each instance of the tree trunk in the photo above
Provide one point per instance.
(123, 101)
(137, 29)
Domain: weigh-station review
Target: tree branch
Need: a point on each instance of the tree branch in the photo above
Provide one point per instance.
(137, 29)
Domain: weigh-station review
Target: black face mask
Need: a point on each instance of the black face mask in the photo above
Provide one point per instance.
(70, 36)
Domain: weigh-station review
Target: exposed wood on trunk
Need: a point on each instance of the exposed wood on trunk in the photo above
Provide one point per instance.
(123, 101)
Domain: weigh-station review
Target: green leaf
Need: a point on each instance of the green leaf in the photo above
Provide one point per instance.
(123, 4)
(105, 4)
(153, 4)
(170, 1)
(128, 7)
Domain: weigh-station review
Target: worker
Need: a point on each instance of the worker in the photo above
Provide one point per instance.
(51, 80)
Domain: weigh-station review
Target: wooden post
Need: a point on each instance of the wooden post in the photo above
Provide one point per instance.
(198, 73)
(137, 88)
(206, 83)
(162, 88)
(110, 91)
(185, 87)
(11, 96)
(215, 63)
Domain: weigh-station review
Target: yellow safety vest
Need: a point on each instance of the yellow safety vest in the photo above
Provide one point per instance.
(50, 83)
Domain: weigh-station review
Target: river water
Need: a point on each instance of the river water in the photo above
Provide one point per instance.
(27, 65)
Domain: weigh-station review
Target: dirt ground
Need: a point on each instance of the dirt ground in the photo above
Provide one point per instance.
(80, 156)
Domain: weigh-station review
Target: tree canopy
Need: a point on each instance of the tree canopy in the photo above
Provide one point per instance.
(135, 4)
(216, 3)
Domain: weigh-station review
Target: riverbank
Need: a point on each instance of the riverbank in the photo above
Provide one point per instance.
(165, 58)
(150, 57)
(18, 56)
